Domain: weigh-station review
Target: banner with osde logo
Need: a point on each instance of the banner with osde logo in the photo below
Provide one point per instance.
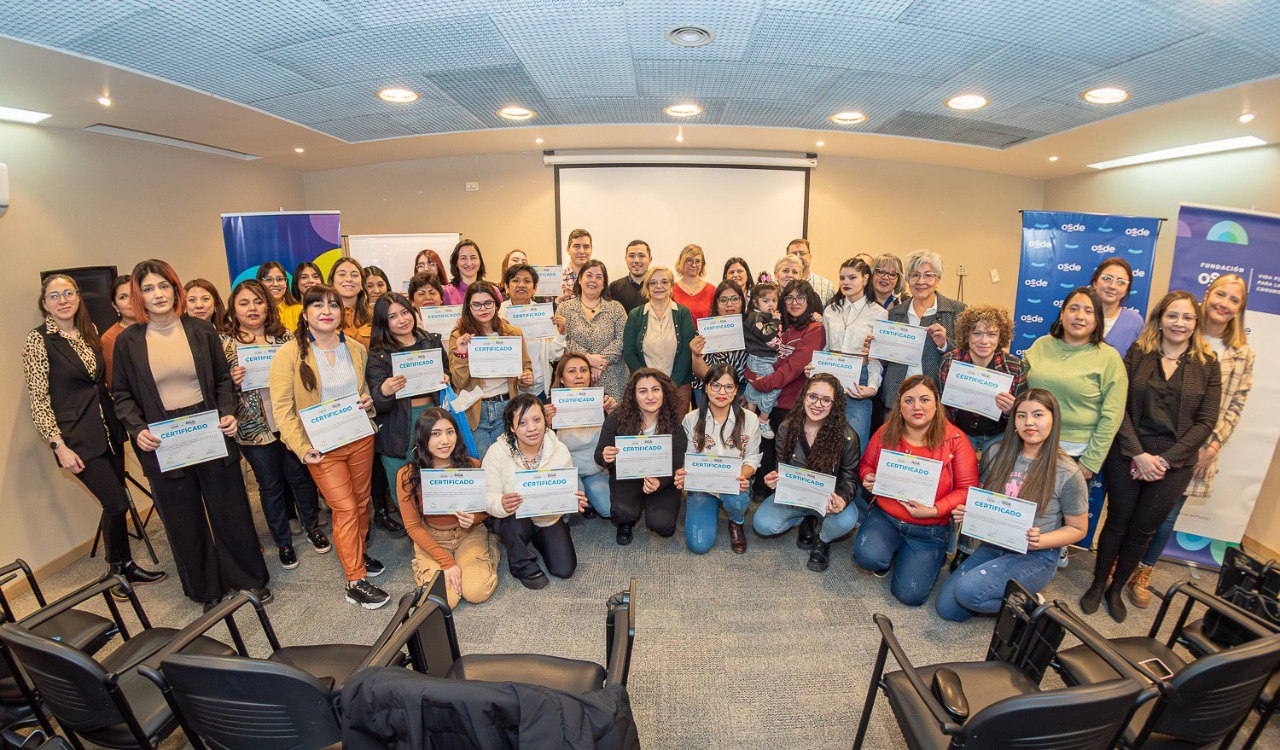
(1210, 242)
(1059, 252)
(287, 237)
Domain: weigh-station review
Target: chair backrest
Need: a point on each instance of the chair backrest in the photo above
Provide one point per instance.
(1087, 717)
(72, 684)
(232, 702)
(1207, 698)
(620, 634)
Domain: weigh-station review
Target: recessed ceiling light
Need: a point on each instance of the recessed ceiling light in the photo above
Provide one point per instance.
(848, 118)
(537, 140)
(967, 101)
(1105, 95)
(22, 115)
(1053, 158)
(516, 113)
(689, 36)
(1246, 117)
(398, 95)
(821, 144)
(1195, 149)
(104, 101)
(683, 110)
(299, 150)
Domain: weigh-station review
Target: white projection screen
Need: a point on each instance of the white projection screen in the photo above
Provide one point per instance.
(749, 212)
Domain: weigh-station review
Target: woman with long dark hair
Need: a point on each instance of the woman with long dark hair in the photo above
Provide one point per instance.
(66, 380)
(376, 284)
(729, 300)
(647, 408)
(847, 319)
(458, 544)
(574, 371)
(1026, 463)
(466, 267)
(253, 321)
(595, 325)
(429, 262)
(305, 275)
(480, 318)
(527, 445)
(124, 308)
(816, 437)
(275, 280)
(346, 278)
(205, 302)
(172, 365)
(737, 271)
(911, 537)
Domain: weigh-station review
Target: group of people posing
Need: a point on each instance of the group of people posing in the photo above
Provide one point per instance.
(1147, 405)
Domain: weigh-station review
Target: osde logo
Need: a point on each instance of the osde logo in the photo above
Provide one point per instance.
(1068, 266)
(1137, 232)
(1101, 249)
(1031, 319)
(1039, 244)
(1036, 282)
(1073, 227)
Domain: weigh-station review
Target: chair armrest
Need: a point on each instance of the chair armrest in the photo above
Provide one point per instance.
(391, 646)
(1245, 619)
(185, 637)
(79, 596)
(405, 608)
(1095, 642)
(945, 723)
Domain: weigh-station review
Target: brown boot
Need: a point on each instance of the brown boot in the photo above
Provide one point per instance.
(1138, 587)
(737, 538)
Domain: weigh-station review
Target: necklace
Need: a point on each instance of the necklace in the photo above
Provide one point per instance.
(531, 463)
(592, 310)
(1171, 359)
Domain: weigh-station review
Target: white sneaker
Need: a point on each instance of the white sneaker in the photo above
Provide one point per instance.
(765, 431)
(1063, 559)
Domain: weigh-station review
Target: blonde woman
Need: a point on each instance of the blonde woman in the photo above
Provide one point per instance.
(788, 269)
(658, 333)
(691, 290)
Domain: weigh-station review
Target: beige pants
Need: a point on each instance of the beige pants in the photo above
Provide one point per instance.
(476, 552)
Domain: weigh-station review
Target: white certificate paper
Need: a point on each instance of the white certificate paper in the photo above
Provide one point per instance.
(495, 356)
(723, 334)
(550, 281)
(974, 388)
(189, 440)
(904, 477)
(803, 488)
(446, 491)
(846, 367)
(897, 342)
(998, 519)
(333, 424)
(534, 321)
(546, 492)
(578, 407)
(423, 369)
(256, 361)
(717, 475)
(643, 456)
(441, 319)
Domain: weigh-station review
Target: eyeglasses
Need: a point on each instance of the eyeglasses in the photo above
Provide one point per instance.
(817, 400)
(273, 279)
(729, 299)
(482, 305)
(923, 276)
(796, 298)
(885, 273)
(69, 294)
(722, 387)
(1109, 279)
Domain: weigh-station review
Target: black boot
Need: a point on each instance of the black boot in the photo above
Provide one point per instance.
(1115, 602)
(820, 557)
(808, 534)
(1093, 597)
(388, 523)
(624, 534)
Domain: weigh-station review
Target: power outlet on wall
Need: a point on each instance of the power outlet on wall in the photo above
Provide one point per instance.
(472, 186)
(962, 270)
(995, 276)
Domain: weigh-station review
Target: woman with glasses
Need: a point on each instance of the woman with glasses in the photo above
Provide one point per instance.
(480, 318)
(595, 326)
(816, 437)
(120, 303)
(66, 380)
(271, 275)
(730, 300)
(691, 290)
(983, 334)
(720, 427)
(888, 283)
(429, 262)
(658, 333)
(847, 319)
(1113, 281)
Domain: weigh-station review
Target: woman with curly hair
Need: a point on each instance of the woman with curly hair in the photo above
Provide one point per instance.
(648, 408)
(983, 334)
(527, 445)
(912, 537)
(815, 436)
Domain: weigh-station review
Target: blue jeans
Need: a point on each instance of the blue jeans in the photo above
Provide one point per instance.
(980, 442)
(857, 412)
(702, 514)
(278, 470)
(977, 586)
(491, 425)
(1163, 534)
(763, 400)
(914, 551)
(772, 519)
(596, 486)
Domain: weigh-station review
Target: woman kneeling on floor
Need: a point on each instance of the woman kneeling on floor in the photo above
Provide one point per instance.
(1028, 464)
(457, 544)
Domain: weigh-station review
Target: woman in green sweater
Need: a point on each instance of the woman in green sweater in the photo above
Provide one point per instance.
(1085, 375)
(658, 333)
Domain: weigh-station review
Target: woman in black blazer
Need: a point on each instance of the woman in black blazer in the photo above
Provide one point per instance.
(1175, 388)
(66, 379)
(169, 366)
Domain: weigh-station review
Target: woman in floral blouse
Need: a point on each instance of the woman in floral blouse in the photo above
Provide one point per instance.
(594, 324)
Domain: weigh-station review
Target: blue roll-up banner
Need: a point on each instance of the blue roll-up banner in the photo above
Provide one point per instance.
(287, 237)
(1060, 249)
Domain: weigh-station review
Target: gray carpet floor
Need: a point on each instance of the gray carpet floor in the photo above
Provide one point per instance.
(751, 651)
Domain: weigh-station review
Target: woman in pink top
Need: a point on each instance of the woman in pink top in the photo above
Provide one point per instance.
(691, 291)
(467, 267)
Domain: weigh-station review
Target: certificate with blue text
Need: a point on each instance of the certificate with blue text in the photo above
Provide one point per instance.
(717, 475)
(534, 321)
(723, 334)
(546, 492)
(847, 368)
(333, 424)
(423, 371)
(578, 407)
(256, 361)
(446, 491)
(907, 478)
(550, 281)
(190, 440)
(974, 388)
(897, 342)
(441, 319)
(998, 519)
(803, 488)
(495, 356)
(643, 456)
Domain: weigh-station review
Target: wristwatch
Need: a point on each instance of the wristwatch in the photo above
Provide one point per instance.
(53, 444)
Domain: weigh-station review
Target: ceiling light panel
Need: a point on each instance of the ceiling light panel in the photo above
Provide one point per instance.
(689, 36)
(732, 22)
(967, 102)
(1179, 152)
(26, 116)
(1105, 95)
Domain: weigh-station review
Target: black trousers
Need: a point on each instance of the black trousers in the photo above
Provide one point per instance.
(104, 477)
(628, 501)
(524, 540)
(210, 528)
(1135, 510)
(769, 454)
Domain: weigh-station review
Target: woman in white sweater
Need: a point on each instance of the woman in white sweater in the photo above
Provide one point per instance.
(526, 444)
(847, 317)
(574, 371)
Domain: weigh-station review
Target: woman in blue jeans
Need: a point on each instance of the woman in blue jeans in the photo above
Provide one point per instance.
(1028, 464)
(847, 318)
(720, 427)
(574, 371)
(815, 436)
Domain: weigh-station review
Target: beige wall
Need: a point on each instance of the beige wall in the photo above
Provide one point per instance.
(1243, 179)
(84, 199)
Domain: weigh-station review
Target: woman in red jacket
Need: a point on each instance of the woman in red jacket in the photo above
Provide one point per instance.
(912, 537)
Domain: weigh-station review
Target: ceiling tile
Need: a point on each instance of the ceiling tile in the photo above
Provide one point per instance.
(257, 25)
(351, 99)
(956, 129)
(632, 110)
(484, 91)
(696, 80)
(572, 49)
(879, 96)
(1007, 78)
(56, 22)
(372, 14)
(1250, 23)
(731, 21)
(364, 128)
(886, 10)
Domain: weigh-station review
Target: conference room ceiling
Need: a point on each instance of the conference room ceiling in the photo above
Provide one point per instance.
(786, 64)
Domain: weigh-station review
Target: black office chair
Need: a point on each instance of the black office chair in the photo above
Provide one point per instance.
(106, 702)
(432, 643)
(998, 703)
(1200, 703)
